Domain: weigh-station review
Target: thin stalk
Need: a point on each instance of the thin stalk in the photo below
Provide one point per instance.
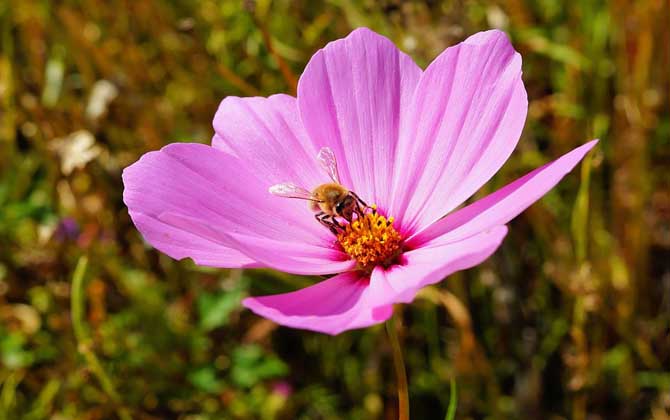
(286, 72)
(84, 341)
(453, 400)
(399, 365)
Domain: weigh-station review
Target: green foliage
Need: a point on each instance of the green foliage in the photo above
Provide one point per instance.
(569, 319)
(214, 308)
(13, 351)
(250, 366)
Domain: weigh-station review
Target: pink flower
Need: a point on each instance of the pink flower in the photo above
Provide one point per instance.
(415, 143)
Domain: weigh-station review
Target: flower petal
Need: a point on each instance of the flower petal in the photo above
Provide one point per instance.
(430, 264)
(467, 115)
(338, 304)
(350, 98)
(503, 205)
(187, 199)
(267, 134)
(179, 244)
(292, 258)
(351, 300)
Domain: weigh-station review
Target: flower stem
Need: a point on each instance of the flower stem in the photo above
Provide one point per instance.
(84, 342)
(399, 365)
(453, 400)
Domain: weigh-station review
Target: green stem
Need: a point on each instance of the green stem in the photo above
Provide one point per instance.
(399, 365)
(453, 400)
(77, 300)
(84, 341)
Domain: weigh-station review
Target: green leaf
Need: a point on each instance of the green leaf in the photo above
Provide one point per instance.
(251, 366)
(215, 308)
(205, 379)
(12, 351)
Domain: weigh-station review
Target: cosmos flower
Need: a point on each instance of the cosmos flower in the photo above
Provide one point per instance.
(415, 143)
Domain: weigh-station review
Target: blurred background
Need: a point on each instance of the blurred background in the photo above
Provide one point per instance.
(570, 319)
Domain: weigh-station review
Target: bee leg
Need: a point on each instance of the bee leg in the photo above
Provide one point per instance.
(335, 222)
(322, 218)
(360, 211)
(360, 201)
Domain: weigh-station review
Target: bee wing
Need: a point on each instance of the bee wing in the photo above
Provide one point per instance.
(290, 190)
(326, 158)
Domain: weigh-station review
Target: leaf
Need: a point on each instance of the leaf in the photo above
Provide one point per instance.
(205, 379)
(214, 308)
(251, 365)
(13, 353)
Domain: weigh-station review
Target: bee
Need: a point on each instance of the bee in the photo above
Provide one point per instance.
(329, 200)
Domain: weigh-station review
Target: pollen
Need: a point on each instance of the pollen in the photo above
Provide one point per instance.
(371, 240)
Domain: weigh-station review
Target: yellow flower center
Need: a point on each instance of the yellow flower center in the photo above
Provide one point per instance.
(371, 240)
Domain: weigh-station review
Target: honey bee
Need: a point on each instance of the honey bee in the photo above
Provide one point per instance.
(328, 201)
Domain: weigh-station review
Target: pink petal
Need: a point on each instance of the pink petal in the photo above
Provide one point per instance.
(351, 300)
(267, 134)
(467, 114)
(179, 244)
(503, 205)
(350, 97)
(294, 258)
(431, 264)
(338, 304)
(187, 199)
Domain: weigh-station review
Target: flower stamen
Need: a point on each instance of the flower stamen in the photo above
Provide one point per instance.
(371, 240)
